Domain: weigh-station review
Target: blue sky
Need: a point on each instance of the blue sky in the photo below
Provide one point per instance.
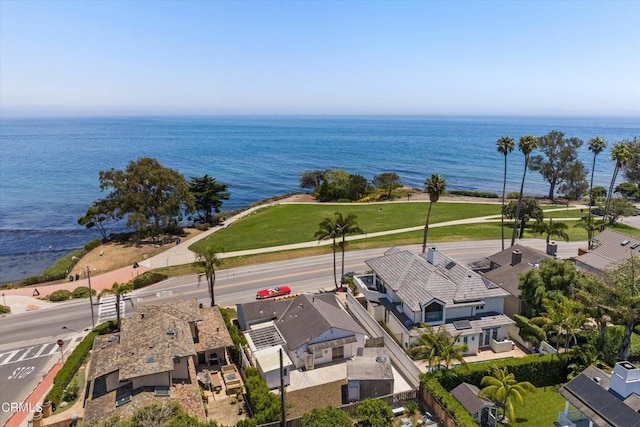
(328, 57)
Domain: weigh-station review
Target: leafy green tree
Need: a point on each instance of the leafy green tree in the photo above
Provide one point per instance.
(632, 168)
(358, 187)
(209, 196)
(620, 155)
(628, 190)
(329, 229)
(346, 225)
(596, 194)
(533, 334)
(311, 179)
(387, 181)
(335, 185)
(553, 280)
(505, 391)
(575, 184)
(148, 194)
(435, 185)
(505, 146)
(97, 215)
(527, 209)
(562, 316)
(557, 155)
(551, 229)
(436, 346)
(207, 260)
(118, 290)
(374, 413)
(328, 416)
(526, 145)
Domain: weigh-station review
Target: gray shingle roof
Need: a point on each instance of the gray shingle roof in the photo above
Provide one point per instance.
(608, 250)
(416, 281)
(507, 276)
(467, 395)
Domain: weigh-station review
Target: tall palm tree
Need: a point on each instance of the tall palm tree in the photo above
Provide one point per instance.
(346, 225)
(526, 145)
(435, 186)
(207, 260)
(596, 145)
(505, 146)
(620, 154)
(591, 227)
(119, 290)
(503, 389)
(329, 230)
(551, 229)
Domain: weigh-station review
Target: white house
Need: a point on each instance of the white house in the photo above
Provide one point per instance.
(407, 289)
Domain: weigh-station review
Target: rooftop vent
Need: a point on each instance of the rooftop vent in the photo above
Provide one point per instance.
(382, 358)
(171, 332)
(596, 380)
(150, 359)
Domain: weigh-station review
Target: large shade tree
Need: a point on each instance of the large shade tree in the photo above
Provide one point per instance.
(387, 182)
(632, 168)
(505, 146)
(505, 391)
(435, 186)
(209, 196)
(526, 145)
(207, 261)
(150, 195)
(526, 210)
(557, 155)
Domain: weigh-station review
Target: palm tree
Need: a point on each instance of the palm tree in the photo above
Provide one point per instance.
(346, 225)
(526, 145)
(503, 389)
(596, 145)
(505, 146)
(551, 229)
(435, 186)
(591, 227)
(119, 290)
(620, 154)
(207, 260)
(451, 349)
(329, 230)
(427, 348)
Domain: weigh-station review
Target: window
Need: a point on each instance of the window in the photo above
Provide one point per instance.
(317, 354)
(434, 312)
(465, 340)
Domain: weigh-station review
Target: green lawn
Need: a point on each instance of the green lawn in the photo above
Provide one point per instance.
(540, 408)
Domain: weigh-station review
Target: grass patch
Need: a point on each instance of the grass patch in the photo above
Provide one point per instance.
(531, 415)
(286, 224)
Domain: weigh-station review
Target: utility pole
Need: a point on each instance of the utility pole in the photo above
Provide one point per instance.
(283, 408)
(93, 320)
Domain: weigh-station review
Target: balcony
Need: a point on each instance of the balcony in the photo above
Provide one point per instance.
(572, 419)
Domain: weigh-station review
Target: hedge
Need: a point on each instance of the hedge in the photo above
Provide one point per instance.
(264, 404)
(482, 194)
(82, 292)
(74, 361)
(60, 295)
(148, 278)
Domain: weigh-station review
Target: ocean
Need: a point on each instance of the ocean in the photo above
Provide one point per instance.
(49, 166)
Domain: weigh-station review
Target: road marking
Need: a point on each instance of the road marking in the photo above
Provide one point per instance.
(107, 308)
(27, 353)
(11, 354)
(41, 350)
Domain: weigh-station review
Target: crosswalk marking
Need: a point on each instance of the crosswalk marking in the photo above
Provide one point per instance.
(27, 353)
(107, 308)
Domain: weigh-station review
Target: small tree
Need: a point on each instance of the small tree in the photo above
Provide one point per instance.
(119, 290)
(387, 182)
(209, 195)
(326, 417)
(207, 260)
(503, 389)
(374, 413)
(551, 229)
(523, 211)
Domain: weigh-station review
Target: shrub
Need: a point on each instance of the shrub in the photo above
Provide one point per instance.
(60, 295)
(201, 226)
(483, 194)
(71, 392)
(148, 278)
(89, 246)
(4, 309)
(264, 404)
(513, 195)
(412, 407)
(82, 292)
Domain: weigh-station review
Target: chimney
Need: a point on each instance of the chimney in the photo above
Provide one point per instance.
(552, 248)
(625, 379)
(516, 257)
(432, 256)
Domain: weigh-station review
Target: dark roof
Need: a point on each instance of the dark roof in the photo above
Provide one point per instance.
(416, 281)
(467, 395)
(507, 276)
(608, 250)
(260, 311)
(594, 400)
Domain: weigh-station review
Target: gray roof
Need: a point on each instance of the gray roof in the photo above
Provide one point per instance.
(309, 316)
(609, 250)
(416, 281)
(370, 366)
(507, 275)
(467, 395)
(478, 323)
(260, 311)
(595, 401)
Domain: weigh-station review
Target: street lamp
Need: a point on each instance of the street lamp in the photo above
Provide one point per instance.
(93, 321)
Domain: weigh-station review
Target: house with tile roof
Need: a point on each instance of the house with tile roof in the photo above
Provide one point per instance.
(505, 269)
(312, 329)
(596, 398)
(407, 289)
(610, 248)
(154, 358)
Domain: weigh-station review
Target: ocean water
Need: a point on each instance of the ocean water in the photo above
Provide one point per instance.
(49, 167)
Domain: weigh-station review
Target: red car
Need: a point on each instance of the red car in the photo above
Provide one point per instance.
(273, 292)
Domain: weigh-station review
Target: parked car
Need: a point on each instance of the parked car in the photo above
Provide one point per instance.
(273, 292)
